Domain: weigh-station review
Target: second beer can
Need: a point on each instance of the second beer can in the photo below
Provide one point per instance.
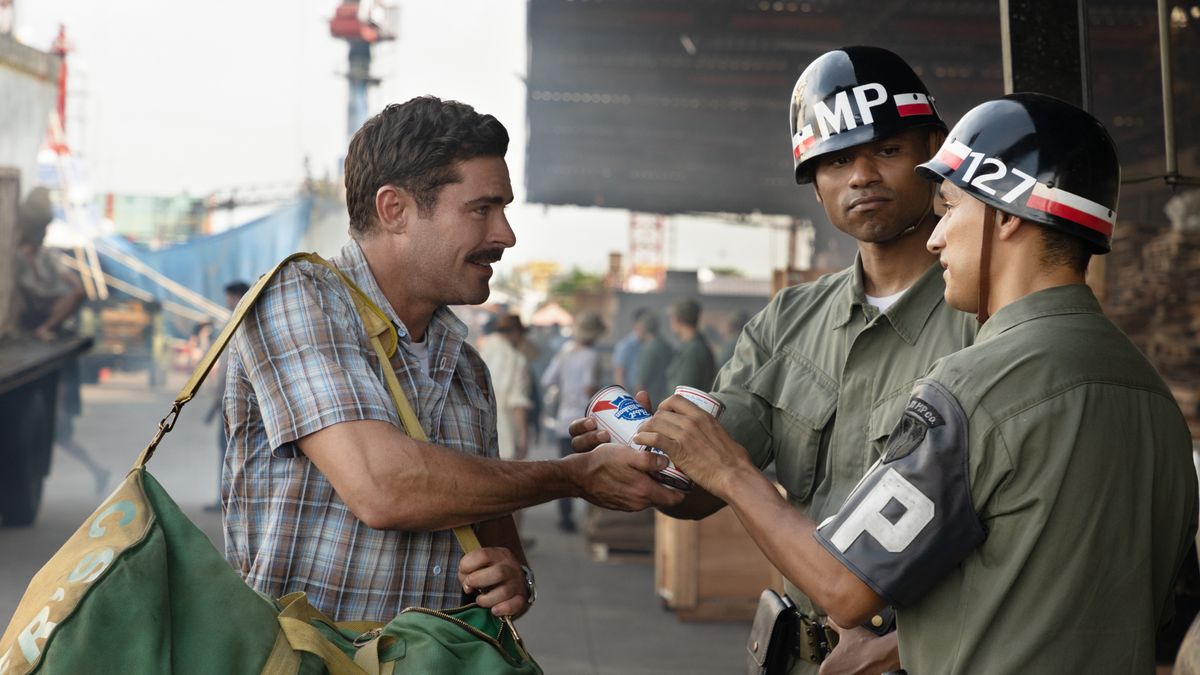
(672, 475)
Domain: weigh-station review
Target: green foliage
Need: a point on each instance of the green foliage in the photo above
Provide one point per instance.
(574, 281)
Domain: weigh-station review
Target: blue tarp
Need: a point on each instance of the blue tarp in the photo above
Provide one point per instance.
(207, 264)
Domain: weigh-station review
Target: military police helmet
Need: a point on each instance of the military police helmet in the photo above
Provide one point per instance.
(1038, 158)
(851, 96)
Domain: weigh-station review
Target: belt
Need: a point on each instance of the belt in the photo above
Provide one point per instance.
(815, 639)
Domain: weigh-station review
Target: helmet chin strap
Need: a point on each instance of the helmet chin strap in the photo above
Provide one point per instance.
(920, 219)
(934, 144)
(985, 262)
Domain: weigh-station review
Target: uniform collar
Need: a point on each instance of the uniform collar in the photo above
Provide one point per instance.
(1069, 299)
(353, 262)
(909, 314)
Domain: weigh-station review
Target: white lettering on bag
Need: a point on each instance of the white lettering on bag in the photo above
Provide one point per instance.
(89, 568)
(124, 507)
(39, 629)
(868, 517)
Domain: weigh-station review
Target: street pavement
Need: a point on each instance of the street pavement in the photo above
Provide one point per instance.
(591, 618)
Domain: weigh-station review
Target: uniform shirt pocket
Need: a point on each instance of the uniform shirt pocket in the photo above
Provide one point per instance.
(803, 400)
(885, 415)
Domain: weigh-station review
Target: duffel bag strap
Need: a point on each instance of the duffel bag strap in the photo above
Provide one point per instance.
(214, 352)
(412, 426)
(383, 338)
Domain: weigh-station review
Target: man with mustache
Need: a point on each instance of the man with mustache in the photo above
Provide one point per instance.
(819, 376)
(323, 491)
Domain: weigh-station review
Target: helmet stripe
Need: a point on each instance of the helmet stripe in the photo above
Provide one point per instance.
(952, 154)
(802, 141)
(1072, 207)
(916, 103)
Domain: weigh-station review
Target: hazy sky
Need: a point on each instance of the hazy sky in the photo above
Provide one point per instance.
(170, 96)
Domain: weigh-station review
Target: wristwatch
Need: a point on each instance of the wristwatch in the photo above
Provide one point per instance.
(530, 587)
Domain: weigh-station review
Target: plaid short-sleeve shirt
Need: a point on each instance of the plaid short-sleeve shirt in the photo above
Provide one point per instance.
(299, 363)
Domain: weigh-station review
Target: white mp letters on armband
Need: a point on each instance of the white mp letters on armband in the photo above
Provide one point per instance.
(911, 519)
(868, 515)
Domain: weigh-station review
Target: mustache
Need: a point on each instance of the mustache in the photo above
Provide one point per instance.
(486, 257)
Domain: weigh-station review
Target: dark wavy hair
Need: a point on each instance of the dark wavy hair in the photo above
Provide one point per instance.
(415, 146)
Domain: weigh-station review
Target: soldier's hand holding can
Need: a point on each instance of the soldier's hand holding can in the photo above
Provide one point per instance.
(696, 443)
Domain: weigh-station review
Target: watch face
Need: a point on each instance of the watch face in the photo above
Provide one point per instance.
(529, 584)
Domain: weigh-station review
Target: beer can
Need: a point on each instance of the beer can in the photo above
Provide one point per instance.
(618, 412)
(671, 475)
(702, 400)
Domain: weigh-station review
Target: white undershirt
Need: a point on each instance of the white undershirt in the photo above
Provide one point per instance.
(421, 350)
(883, 302)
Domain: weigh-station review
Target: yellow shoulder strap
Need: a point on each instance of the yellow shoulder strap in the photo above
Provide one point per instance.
(383, 339)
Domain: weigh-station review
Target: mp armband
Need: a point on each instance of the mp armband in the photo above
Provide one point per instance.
(911, 519)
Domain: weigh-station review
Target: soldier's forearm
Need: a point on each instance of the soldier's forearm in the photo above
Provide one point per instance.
(786, 538)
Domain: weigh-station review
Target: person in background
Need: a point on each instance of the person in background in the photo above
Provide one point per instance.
(653, 358)
(509, 369)
(233, 295)
(512, 387)
(625, 352)
(693, 364)
(48, 299)
(733, 329)
(575, 371)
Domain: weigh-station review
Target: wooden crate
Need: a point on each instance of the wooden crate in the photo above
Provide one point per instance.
(710, 569)
(610, 532)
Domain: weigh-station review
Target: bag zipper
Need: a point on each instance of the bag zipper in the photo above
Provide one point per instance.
(494, 641)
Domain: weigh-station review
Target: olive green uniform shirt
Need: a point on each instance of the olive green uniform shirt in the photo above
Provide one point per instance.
(693, 365)
(1080, 467)
(819, 377)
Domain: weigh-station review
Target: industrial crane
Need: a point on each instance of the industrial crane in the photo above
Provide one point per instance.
(361, 24)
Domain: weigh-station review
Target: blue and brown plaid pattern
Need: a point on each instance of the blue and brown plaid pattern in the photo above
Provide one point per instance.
(299, 363)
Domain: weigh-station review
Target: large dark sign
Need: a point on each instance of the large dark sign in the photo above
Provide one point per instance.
(670, 106)
(676, 106)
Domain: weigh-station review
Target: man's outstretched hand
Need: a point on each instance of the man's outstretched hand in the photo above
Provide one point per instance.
(618, 477)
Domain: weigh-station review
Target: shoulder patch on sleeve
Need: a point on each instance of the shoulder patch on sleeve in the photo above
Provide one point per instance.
(911, 519)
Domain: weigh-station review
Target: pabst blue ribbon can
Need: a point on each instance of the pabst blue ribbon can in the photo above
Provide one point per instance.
(617, 412)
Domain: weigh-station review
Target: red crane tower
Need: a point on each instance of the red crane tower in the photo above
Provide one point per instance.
(359, 24)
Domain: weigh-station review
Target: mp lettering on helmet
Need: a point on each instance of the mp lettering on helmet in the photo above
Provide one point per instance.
(842, 117)
(894, 535)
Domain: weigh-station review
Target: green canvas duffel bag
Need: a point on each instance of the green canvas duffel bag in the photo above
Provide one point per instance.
(139, 589)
